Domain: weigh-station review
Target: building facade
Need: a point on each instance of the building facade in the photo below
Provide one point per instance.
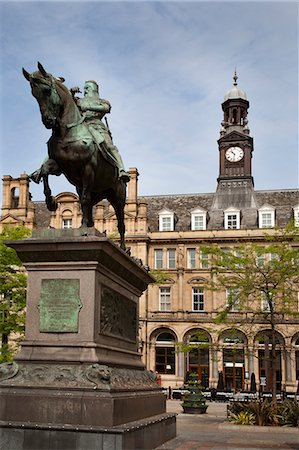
(166, 233)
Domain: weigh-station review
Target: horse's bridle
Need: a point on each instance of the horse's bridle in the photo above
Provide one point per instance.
(54, 90)
(55, 97)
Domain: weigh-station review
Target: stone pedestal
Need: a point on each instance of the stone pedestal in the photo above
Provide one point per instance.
(79, 375)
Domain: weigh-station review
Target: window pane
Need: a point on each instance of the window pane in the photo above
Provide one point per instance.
(165, 360)
(165, 337)
(165, 304)
(232, 221)
(204, 260)
(171, 259)
(233, 355)
(198, 299)
(266, 220)
(232, 300)
(66, 223)
(198, 222)
(191, 263)
(166, 223)
(158, 259)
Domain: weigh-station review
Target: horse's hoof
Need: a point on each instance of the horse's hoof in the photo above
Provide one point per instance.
(35, 176)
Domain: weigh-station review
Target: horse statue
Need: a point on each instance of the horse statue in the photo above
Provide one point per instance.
(73, 152)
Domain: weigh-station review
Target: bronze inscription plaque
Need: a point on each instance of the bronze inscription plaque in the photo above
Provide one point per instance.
(118, 315)
(59, 306)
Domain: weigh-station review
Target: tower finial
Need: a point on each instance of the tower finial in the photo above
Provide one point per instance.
(235, 77)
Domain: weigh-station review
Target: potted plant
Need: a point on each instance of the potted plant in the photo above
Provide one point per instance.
(193, 401)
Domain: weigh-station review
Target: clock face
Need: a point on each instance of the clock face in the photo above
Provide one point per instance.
(234, 154)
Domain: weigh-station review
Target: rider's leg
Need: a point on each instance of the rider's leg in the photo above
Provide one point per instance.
(116, 155)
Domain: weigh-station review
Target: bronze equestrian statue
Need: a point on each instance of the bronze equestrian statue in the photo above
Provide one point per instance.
(80, 146)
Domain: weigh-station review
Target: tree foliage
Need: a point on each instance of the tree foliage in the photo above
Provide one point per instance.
(159, 276)
(13, 283)
(260, 279)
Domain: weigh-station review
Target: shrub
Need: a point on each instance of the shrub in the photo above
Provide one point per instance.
(290, 413)
(242, 418)
(264, 413)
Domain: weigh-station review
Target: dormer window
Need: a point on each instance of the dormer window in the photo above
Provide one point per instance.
(198, 219)
(67, 221)
(166, 220)
(232, 219)
(296, 216)
(266, 216)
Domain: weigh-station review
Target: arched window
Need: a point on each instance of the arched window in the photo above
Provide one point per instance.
(165, 337)
(15, 197)
(197, 359)
(67, 221)
(233, 354)
(165, 353)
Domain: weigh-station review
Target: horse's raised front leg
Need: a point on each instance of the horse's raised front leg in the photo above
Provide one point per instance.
(85, 197)
(50, 200)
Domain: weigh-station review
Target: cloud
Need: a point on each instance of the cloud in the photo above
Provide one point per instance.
(165, 67)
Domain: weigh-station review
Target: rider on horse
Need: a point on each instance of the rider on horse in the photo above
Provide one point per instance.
(93, 109)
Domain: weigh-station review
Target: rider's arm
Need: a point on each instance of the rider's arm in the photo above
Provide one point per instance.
(104, 106)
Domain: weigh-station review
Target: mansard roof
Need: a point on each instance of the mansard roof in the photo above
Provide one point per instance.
(182, 205)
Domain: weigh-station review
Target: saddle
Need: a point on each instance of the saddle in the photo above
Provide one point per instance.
(98, 139)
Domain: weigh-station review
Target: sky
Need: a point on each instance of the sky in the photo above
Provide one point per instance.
(165, 68)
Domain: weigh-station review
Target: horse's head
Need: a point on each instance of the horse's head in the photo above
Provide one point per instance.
(43, 88)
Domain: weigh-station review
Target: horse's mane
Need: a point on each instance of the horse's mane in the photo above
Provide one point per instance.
(62, 87)
(59, 84)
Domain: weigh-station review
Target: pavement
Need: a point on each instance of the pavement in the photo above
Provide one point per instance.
(211, 431)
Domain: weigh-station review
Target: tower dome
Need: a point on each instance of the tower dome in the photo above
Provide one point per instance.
(235, 92)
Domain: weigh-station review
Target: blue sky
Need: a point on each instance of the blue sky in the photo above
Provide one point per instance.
(165, 67)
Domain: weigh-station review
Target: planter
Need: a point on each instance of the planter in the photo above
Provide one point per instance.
(194, 401)
(195, 409)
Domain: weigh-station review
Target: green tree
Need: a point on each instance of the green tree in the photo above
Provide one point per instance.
(159, 276)
(13, 281)
(261, 280)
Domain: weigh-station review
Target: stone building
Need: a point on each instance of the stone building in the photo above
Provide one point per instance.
(165, 232)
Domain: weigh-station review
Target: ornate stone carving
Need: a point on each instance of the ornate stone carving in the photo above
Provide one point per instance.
(98, 374)
(76, 376)
(58, 375)
(8, 370)
(126, 379)
(118, 315)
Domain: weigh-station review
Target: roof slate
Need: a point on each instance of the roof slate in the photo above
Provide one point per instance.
(183, 204)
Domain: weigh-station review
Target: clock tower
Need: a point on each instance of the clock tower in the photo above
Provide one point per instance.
(235, 143)
(235, 181)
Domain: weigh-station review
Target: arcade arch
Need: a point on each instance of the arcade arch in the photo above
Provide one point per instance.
(198, 359)
(234, 346)
(270, 365)
(165, 357)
